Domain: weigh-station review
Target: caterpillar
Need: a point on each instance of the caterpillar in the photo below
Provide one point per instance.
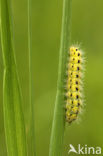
(74, 100)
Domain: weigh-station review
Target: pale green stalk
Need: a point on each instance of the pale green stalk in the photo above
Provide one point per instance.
(31, 96)
(58, 127)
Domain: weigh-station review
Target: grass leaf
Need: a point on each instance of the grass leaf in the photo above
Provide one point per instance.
(12, 103)
(58, 127)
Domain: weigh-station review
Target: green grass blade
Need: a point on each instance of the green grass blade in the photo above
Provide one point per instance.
(58, 127)
(31, 123)
(13, 115)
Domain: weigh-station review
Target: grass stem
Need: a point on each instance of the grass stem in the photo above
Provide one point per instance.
(31, 96)
(58, 127)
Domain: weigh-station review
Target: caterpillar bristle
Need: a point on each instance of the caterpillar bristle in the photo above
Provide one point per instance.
(74, 84)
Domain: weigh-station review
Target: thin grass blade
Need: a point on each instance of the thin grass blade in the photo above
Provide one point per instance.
(12, 103)
(58, 127)
(31, 136)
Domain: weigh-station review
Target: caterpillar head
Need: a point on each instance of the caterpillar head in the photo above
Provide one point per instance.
(74, 52)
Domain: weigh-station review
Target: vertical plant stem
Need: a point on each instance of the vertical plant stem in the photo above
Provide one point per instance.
(58, 127)
(32, 131)
(12, 103)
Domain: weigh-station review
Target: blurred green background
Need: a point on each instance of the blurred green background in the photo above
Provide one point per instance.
(87, 29)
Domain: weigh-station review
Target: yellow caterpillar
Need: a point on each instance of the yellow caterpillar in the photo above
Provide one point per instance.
(74, 85)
